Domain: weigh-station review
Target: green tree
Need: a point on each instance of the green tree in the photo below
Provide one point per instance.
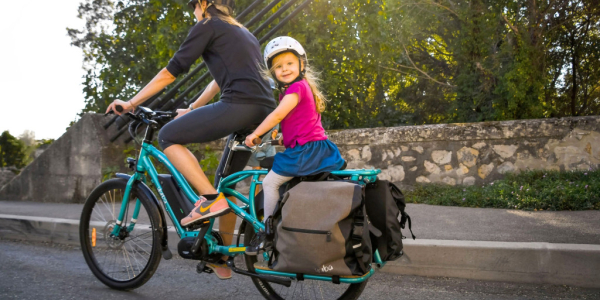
(384, 62)
(12, 151)
(125, 43)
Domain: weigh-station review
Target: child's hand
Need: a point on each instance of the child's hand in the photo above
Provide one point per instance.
(280, 140)
(250, 139)
(274, 134)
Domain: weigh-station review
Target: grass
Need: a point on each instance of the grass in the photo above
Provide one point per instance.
(530, 190)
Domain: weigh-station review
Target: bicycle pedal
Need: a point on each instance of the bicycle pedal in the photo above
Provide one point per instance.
(197, 225)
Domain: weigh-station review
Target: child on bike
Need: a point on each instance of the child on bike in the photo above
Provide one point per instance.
(308, 151)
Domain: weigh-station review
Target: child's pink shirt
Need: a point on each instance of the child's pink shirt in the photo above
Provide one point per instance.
(303, 123)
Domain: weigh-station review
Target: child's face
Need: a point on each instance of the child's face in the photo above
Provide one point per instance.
(286, 67)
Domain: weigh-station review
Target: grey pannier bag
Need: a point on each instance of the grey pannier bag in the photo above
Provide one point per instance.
(320, 230)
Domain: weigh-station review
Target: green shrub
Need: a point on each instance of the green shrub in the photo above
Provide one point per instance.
(530, 190)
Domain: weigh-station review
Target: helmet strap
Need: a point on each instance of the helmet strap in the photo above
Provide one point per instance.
(284, 86)
(208, 4)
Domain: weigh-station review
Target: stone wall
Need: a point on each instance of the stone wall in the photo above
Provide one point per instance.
(468, 154)
(71, 166)
(6, 175)
(472, 153)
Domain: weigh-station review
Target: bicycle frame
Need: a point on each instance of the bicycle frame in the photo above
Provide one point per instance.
(247, 211)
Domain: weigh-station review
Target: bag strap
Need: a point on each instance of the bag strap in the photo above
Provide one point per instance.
(357, 233)
(376, 232)
(405, 217)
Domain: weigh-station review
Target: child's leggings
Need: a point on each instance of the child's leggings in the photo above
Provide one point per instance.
(271, 185)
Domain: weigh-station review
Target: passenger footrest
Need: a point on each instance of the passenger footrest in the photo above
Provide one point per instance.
(262, 265)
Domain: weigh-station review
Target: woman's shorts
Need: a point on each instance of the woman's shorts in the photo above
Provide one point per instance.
(212, 122)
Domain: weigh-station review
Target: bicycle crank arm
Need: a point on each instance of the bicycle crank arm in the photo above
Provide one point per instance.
(278, 280)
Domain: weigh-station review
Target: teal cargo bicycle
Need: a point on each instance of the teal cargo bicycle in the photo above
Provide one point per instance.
(124, 232)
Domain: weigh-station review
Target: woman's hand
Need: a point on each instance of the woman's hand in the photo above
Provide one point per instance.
(127, 107)
(181, 112)
(250, 139)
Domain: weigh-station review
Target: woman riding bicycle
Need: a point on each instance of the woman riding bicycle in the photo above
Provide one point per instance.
(232, 55)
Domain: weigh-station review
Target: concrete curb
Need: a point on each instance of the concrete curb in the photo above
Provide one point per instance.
(542, 263)
(560, 264)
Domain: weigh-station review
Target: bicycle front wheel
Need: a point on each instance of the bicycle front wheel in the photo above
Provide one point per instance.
(306, 289)
(128, 260)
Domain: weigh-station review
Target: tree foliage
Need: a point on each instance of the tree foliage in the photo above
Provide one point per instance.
(125, 43)
(12, 151)
(385, 62)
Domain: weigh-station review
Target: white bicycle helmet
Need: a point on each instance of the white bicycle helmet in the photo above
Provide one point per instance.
(282, 44)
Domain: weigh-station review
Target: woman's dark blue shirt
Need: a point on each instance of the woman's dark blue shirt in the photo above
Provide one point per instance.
(232, 55)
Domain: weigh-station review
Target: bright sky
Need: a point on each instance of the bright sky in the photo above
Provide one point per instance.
(40, 81)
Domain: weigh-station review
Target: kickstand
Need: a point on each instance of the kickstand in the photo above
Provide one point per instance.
(202, 268)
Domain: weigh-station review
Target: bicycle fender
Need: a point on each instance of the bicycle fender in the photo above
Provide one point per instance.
(144, 189)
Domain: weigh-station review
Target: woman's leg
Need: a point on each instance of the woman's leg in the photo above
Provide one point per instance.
(206, 124)
(186, 163)
(271, 185)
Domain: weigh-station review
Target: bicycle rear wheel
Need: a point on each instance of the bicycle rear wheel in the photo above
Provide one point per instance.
(306, 289)
(129, 260)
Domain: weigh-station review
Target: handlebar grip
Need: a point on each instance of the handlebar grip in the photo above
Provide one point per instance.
(256, 141)
(119, 108)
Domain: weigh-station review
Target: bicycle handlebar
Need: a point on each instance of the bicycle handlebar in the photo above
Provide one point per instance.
(257, 141)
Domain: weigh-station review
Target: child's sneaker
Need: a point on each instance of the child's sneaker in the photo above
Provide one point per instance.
(207, 209)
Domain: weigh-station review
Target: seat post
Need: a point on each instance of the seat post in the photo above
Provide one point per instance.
(225, 159)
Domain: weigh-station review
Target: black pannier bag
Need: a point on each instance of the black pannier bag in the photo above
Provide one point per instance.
(385, 207)
(321, 228)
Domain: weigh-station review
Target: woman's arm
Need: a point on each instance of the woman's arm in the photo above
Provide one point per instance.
(211, 90)
(159, 82)
(285, 107)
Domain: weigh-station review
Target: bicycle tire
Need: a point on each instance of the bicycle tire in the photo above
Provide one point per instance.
(115, 248)
(352, 292)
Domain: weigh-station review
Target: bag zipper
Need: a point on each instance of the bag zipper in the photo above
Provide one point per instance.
(328, 233)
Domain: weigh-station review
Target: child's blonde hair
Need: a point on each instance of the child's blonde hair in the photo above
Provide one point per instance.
(311, 77)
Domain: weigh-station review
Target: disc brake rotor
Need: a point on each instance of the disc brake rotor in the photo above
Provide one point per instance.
(113, 242)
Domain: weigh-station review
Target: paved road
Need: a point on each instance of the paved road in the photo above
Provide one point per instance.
(43, 271)
(430, 222)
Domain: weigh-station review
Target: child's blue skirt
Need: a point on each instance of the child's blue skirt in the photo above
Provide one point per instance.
(308, 159)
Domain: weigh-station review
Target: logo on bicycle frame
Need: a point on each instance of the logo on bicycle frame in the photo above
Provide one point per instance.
(162, 195)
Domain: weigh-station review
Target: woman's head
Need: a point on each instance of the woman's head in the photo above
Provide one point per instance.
(286, 63)
(221, 9)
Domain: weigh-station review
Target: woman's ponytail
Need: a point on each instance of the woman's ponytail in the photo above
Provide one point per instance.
(223, 13)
